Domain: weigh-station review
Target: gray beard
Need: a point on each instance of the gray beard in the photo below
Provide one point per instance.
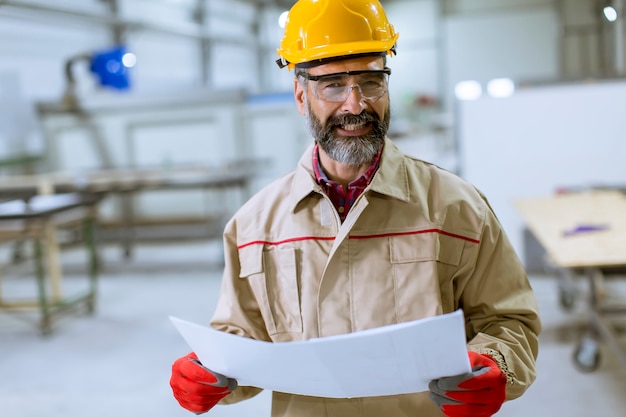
(354, 150)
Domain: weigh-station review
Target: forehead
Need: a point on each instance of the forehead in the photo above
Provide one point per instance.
(352, 64)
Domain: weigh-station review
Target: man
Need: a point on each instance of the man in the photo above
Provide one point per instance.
(361, 236)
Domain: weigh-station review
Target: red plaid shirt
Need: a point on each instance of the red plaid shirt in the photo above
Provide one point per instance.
(343, 201)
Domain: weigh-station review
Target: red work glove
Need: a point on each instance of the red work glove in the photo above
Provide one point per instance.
(196, 388)
(480, 393)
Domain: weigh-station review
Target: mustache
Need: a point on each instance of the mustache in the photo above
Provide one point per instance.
(352, 119)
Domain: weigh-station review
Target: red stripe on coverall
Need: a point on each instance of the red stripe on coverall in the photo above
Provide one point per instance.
(417, 232)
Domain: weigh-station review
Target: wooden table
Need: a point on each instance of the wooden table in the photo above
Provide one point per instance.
(37, 220)
(584, 234)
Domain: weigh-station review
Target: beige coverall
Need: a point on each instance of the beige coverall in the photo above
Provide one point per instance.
(417, 243)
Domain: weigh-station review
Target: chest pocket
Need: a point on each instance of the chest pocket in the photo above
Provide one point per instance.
(430, 246)
(273, 277)
(423, 267)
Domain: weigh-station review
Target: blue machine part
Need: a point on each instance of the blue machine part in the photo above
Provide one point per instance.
(111, 66)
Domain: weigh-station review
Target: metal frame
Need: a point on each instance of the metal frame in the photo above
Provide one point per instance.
(40, 227)
(602, 326)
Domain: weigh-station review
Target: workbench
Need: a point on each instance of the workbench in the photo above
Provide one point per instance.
(125, 183)
(38, 220)
(584, 235)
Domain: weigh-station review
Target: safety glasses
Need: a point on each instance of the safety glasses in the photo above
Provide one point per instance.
(336, 87)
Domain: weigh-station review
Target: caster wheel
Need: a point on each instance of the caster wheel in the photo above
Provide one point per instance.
(90, 305)
(567, 299)
(587, 355)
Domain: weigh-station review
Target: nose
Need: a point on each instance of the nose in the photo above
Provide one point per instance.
(354, 103)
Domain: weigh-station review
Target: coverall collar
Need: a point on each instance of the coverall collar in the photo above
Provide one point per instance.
(390, 180)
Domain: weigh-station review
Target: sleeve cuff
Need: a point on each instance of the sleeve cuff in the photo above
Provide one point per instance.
(499, 360)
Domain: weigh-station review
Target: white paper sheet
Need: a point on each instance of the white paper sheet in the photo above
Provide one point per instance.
(395, 359)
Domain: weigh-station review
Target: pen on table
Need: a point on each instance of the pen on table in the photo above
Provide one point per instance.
(585, 228)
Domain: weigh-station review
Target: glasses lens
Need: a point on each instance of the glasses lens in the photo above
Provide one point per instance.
(331, 88)
(336, 88)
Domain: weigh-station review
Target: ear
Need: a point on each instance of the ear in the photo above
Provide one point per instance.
(298, 93)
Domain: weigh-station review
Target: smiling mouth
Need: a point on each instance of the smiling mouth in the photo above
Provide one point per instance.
(353, 126)
(354, 129)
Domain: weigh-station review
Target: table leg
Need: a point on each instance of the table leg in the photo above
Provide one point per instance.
(45, 323)
(128, 220)
(90, 242)
(54, 260)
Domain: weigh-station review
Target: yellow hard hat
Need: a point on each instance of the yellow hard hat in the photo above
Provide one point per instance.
(321, 29)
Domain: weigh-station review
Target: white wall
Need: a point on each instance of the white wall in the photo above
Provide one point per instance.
(520, 44)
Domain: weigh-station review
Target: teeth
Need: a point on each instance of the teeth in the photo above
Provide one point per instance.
(353, 127)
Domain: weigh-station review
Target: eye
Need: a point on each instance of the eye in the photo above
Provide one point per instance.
(372, 80)
(372, 84)
(332, 83)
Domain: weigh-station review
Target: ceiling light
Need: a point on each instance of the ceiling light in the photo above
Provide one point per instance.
(282, 19)
(501, 87)
(468, 90)
(610, 13)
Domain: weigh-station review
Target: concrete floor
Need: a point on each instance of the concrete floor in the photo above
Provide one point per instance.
(117, 361)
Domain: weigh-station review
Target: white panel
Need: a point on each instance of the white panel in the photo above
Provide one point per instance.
(540, 139)
(230, 29)
(234, 67)
(177, 143)
(168, 13)
(414, 20)
(231, 19)
(241, 9)
(165, 63)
